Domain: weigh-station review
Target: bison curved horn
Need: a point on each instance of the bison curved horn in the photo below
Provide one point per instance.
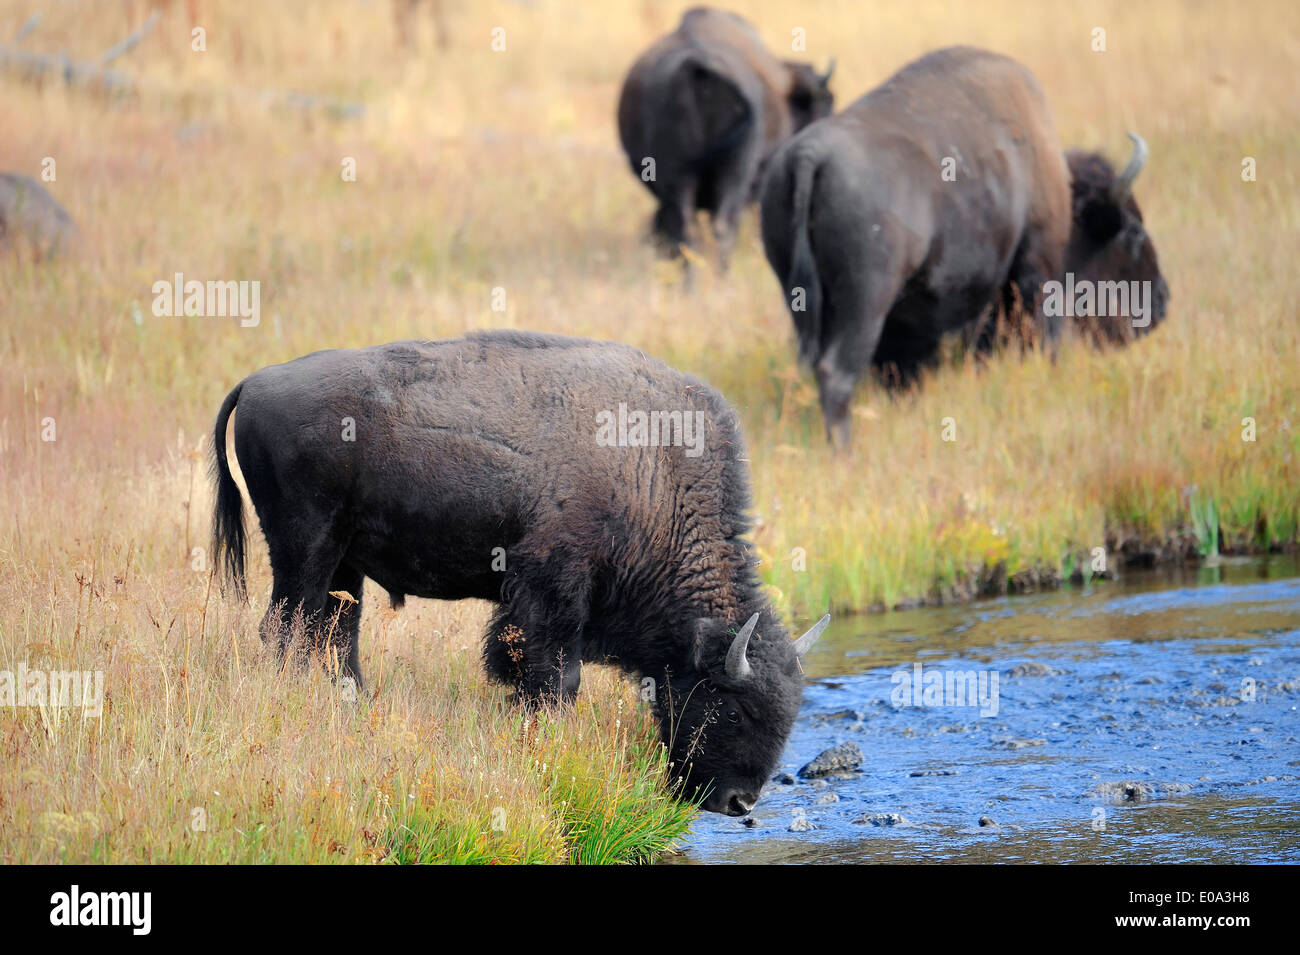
(826, 77)
(738, 667)
(805, 643)
(1119, 192)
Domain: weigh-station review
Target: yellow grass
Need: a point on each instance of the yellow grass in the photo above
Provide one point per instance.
(479, 170)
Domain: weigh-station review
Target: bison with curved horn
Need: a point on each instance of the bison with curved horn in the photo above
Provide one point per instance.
(506, 466)
(1109, 243)
(1112, 289)
(908, 214)
(699, 114)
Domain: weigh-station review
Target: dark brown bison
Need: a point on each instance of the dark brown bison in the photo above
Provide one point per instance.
(31, 218)
(908, 214)
(699, 114)
(597, 496)
(1109, 244)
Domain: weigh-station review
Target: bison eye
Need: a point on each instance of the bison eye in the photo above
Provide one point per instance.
(733, 716)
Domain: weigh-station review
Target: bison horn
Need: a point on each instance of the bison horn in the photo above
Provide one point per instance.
(738, 668)
(830, 68)
(805, 643)
(1124, 182)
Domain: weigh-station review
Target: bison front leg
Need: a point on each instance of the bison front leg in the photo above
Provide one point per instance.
(539, 669)
(534, 642)
(1037, 261)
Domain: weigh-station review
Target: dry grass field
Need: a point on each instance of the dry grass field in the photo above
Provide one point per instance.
(479, 170)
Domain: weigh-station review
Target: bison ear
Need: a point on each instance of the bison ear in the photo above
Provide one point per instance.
(825, 78)
(1101, 220)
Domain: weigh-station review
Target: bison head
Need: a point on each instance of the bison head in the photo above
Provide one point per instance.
(725, 722)
(1108, 242)
(810, 97)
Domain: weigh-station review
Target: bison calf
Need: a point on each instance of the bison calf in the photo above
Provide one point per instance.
(597, 496)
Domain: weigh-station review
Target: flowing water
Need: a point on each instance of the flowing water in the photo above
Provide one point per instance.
(1151, 719)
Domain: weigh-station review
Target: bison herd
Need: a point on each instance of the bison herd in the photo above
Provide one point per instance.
(935, 203)
(940, 202)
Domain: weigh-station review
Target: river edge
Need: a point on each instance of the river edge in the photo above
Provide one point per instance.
(1180, 550)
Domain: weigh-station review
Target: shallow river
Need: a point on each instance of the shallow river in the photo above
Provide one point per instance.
(1151, 719)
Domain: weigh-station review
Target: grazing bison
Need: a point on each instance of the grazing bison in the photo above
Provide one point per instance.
(507, 466)
(30, 215)
(909, 213)
(1109, 243)
(699, 114)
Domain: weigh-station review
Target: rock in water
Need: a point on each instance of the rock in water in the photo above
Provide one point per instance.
(1032, 669)
(844, 758)
(880, 819)
(1124, 791)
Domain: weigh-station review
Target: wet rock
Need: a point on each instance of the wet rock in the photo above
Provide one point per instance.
(837, 715)
(802, 824)
(785, 779)
(987, 822)
(1124, 791)
(933, 772)
(1014, 743)
(827, 797)
(749, 822)
(885, 819)
(1222, 701)
(844, 758)
(1031, 669)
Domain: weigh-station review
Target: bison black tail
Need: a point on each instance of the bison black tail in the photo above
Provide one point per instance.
(803, 285)
(713, 116)
(228, 514)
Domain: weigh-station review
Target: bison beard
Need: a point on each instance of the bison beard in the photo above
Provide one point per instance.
(421, 464)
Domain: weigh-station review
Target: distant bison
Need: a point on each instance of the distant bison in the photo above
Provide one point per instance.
(30, 217)
(699, 114)
(507, 466)
(911, 212)
(1109, 243)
